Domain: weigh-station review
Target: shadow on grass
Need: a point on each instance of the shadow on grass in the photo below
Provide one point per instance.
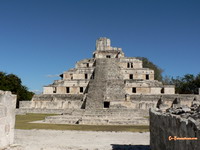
(130, 147)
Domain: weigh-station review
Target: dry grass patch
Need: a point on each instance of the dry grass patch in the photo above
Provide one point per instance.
(23, 122)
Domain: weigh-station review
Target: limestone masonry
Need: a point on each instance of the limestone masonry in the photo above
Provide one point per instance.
(110, 74)
(106, 89)
(7, 118)
(177, 128)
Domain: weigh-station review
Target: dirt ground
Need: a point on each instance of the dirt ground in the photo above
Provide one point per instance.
(81, 140)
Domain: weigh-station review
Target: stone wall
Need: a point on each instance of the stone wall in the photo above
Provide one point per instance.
(7, 118)
(74, 87)
(133, 63)
(38, 110)
(76, 101)
(165, 126)
(162, 100)
(53, 101)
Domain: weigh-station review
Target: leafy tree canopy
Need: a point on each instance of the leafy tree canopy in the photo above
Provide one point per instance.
(188, 84)
(11, 82)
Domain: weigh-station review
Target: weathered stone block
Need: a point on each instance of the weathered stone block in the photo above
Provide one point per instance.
(165, 128)
(7, 118)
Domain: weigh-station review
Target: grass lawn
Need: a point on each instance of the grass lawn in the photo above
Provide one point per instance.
(22, 122)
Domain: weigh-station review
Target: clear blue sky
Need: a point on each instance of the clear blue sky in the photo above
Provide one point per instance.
(46, 37)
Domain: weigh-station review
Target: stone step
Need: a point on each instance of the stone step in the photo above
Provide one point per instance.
(107, 112)
(98, 120)
(108, 84)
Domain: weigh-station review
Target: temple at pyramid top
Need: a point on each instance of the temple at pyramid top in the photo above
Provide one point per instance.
(104, 43)
(105, 50)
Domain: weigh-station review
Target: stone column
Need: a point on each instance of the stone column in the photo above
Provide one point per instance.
(7, 118)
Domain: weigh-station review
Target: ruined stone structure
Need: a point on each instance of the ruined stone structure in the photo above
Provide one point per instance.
(176, 128)
(118, 75)
(7, 118)
(108, 86)
(107, 79)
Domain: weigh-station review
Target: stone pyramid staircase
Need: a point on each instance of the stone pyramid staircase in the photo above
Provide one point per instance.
(107, 85)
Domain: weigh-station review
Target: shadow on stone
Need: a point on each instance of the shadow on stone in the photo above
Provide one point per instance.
(130, 147)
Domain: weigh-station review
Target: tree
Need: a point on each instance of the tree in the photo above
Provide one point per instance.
(148, 64)
(188, 84)
(167, 80)
(11, 82)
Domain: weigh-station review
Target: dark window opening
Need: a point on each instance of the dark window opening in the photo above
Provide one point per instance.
(67, 90)
(106, 104)
(108, 56)
(87, 64)
(128, 66)
(133, 90)
(147, 77)
(71, 76)
(131, 65)
(54, 89)
(81, 89)
(86, 76)
(131, 76)
(162, 90)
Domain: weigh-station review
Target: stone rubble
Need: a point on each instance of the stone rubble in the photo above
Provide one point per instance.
(181, 121)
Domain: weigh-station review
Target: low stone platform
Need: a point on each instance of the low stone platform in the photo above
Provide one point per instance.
(101, 117)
